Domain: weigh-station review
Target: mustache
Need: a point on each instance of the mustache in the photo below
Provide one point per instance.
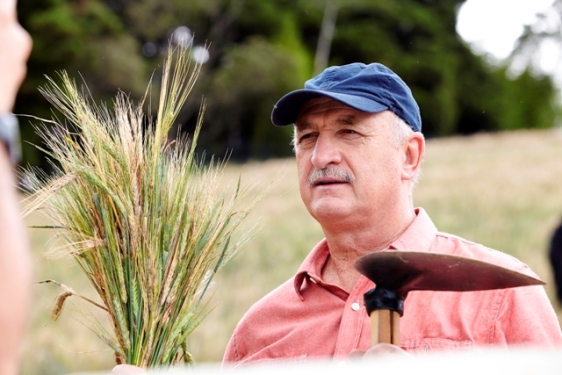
(330, 172)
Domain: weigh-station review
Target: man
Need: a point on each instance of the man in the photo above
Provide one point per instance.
(359, 147)
(15, 263)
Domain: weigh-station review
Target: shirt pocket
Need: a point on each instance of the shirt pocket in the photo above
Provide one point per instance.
(435, 344)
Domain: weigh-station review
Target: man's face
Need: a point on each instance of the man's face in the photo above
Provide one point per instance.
(349, 163)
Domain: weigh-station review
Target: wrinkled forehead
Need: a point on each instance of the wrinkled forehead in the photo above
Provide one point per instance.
(339, 112)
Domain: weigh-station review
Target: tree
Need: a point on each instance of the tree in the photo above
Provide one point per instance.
(259, 50)
(84, 38)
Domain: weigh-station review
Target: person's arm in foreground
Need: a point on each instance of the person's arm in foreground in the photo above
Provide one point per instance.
(15, 261)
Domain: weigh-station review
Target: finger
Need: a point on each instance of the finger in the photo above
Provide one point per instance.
(7, 10)
(15, 48)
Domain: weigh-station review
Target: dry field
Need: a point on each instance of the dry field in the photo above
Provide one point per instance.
(503, 190)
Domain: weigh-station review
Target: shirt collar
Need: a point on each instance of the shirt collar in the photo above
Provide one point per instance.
(312, 266)
(417, 237)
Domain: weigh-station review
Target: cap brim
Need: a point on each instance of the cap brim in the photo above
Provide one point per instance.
(287, 109)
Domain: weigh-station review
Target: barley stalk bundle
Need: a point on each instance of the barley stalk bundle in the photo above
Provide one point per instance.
(147, 221)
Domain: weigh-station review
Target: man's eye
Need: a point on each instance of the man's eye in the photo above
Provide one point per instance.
(348, 131)
(306, 137)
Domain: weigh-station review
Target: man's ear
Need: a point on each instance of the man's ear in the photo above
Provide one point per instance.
(414, 149)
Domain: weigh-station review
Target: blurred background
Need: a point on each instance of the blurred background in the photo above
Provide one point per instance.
(484, 72)
(254, 51)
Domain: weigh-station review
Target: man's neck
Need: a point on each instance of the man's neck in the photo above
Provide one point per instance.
(347, 246)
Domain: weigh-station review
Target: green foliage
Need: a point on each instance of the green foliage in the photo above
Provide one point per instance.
(86, 39)
(259, 50)
(526, 103)
(257, 71)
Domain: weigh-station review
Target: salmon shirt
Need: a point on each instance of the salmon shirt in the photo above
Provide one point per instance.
(305, 318)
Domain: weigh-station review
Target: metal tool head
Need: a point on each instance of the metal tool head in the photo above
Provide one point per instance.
(404, 271)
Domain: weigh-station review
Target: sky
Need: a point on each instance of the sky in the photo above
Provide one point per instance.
(493, 26)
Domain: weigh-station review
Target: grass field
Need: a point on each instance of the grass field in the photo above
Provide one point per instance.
(502, 190)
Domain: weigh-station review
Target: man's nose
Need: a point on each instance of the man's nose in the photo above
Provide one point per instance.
(326, 152)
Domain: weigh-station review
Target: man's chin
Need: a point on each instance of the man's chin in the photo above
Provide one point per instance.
(330, 214)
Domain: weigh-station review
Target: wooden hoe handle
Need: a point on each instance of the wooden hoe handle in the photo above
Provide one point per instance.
(385, 327)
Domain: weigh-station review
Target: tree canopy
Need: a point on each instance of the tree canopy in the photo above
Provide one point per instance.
(259, 50)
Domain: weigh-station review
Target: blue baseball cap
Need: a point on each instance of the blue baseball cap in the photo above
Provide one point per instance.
(369, 88)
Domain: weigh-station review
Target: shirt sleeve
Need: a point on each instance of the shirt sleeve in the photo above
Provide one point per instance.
(526, 317)
(231, 352)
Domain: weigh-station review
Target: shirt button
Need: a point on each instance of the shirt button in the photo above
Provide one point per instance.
(355, 306)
